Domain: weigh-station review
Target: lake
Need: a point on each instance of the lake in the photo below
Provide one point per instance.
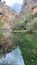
(13, 58)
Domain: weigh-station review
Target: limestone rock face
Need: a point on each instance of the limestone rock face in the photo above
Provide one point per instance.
(27, 4)
(33, 8)
(7, 17)
(26, 8)
(8, 13)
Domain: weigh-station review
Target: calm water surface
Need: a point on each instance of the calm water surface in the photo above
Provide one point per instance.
(13, 58)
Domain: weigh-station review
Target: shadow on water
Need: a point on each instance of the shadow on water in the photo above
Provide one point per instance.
(13, 58)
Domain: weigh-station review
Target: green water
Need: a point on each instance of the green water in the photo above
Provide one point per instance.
(28, 45)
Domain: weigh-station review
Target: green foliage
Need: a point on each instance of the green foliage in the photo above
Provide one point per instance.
(19, 27)
(27, 41)
(1, 24)
(32, 25)
(28, 45)
(29, 27)
(35, 15)
(1, 30)
(29, 18)
(1, 36)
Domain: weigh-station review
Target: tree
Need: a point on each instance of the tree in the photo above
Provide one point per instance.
(32, 25)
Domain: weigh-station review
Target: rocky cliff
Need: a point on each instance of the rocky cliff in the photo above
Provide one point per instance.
(7, 17)
(28, 6)
(7, 14)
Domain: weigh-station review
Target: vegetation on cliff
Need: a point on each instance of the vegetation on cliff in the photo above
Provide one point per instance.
(28, 41)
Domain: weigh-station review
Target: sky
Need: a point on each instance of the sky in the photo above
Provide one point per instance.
(15, 4)
(17, 7)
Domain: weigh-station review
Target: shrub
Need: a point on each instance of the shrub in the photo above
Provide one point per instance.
(32, 26)
(34, 23)
(29, 27)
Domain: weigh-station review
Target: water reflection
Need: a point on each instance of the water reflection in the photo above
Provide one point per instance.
(13, 58)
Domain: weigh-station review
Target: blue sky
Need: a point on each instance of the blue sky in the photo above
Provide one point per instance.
(15, 4)
(17, 7)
